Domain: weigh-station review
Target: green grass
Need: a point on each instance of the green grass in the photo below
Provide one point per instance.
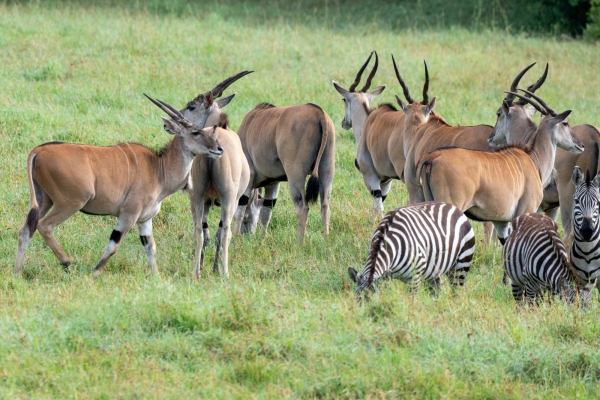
(286, 324)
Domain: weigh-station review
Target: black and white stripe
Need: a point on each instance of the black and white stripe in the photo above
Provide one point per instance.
(536, 261)
(585, 251)
(420, 241)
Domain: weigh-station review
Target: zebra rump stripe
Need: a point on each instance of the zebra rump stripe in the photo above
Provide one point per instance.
(419, 241)
(535, 259)
(585, 251)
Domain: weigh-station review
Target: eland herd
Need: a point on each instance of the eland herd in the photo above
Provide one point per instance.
(502, 176)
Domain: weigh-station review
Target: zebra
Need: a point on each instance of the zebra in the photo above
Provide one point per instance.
(419, 241)
(585, 251)
(535, 260)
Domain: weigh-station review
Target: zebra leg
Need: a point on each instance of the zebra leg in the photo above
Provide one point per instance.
(517, 291)
(433, 286)
(457, 277)
(531, 293)
(414, 283)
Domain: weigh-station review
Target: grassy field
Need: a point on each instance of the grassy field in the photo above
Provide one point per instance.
(286, 324)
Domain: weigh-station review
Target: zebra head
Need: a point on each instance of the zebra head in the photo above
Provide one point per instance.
(361, 283)
(586, 201)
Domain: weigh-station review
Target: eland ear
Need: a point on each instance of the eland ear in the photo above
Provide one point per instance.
(505, 107)
(171, 126)
(225, 100)
(375, 92)
(353, 274)
(530, 111)
(208, 100)
(577, 176)
(402, 105)
(341, 90)
(431, 105)
(561, 117)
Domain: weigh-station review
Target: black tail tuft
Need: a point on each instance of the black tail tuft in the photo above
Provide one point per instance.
(32, 221)
(312, 189)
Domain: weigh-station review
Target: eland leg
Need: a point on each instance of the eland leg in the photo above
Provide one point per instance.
(124, 224)
(201, 235)
(326, 184)
(223, 239)
(269, 200)
(299, 200)
(503, 229)
(56, 216)
(147, 239)
(488, 234)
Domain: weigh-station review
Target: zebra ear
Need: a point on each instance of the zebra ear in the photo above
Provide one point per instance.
(577, 176)
(352, 272)
(597, 180)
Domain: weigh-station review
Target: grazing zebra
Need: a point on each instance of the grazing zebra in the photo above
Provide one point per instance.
(585, 251)
(420, 241)
(535, 260)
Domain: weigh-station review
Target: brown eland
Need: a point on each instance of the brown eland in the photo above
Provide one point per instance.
(501, 185)
(128, 181)
(511, 122)
(221, 181)
(288, 144)
(426, 131)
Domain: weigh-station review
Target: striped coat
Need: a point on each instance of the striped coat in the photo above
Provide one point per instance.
(420, 241)
(536, 261)
(585, 251)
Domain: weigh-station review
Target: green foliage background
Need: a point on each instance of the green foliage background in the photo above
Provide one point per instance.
(286, 324)
(535, 16)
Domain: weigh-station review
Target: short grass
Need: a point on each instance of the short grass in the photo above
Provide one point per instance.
(286, 324)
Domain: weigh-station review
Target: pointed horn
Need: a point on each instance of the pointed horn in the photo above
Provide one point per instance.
(160, 105)
(404, 87)
(372, 74)
(536, 85)
(218, 90)
(170, 111)
(528, 100)
(542, 102)
(360, 71)
(426, 86)
(513, 87)
(170, 107)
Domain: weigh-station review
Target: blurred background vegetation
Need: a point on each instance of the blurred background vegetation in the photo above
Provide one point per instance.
(575, 18)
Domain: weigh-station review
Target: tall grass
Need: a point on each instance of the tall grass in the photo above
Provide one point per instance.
(286, 324)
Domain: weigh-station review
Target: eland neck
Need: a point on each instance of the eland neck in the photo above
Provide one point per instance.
(174, 167)
(360, 114)
(542, 150)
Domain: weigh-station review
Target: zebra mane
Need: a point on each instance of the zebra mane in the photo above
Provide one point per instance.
(376, 243)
